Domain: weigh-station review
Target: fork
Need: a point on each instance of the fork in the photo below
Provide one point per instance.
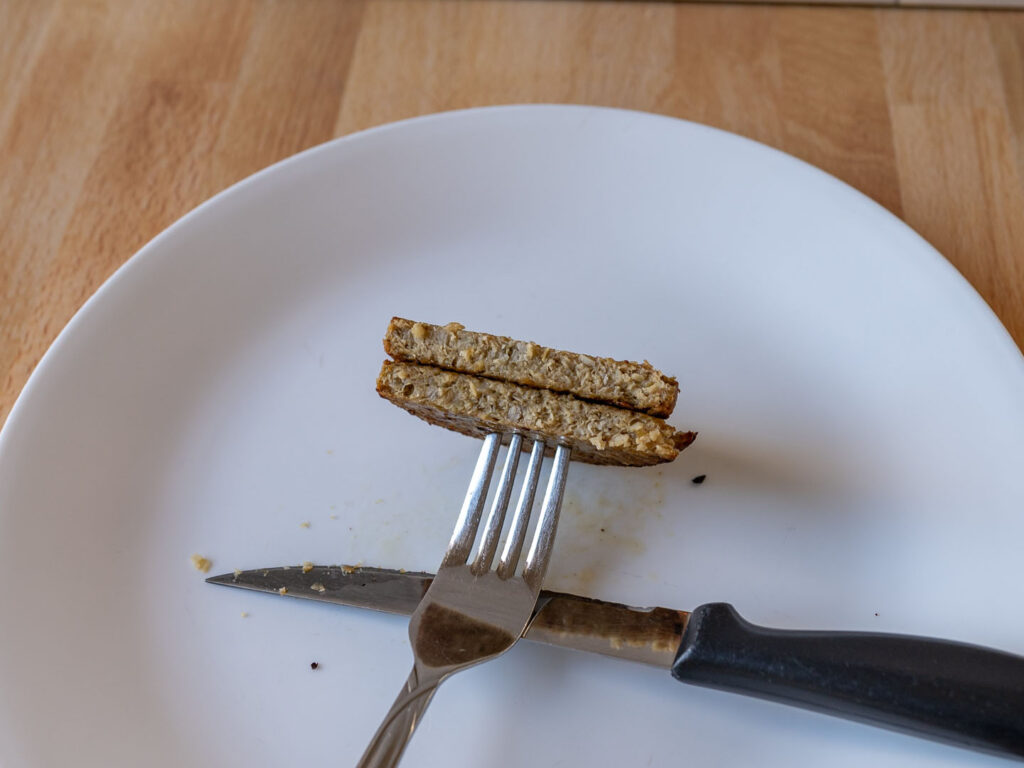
(474, 612)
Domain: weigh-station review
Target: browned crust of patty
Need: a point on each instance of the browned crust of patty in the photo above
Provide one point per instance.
(626, 384)
(477, 406)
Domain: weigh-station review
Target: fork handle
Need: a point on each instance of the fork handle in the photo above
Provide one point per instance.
(391, 738)
(953, 692)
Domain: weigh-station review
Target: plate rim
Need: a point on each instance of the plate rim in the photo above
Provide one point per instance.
(937, 261)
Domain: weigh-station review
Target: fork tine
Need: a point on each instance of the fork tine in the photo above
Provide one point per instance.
(496, 517)
(521, 515)
(544, 537)
(469, 516)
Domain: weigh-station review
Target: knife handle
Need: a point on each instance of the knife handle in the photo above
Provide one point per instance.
(953, 692)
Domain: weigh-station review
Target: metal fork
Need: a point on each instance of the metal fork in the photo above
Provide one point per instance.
(472, 612)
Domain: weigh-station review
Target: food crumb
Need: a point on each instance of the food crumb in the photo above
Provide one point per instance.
(245, 614)
(347, 569)
(304, 524)
(401, 570)
(201, 563)
(287, 568)
(330, 451)
(307, 566)
(378, 501)
(238, 572)
(334, 517)
(314, 665)
(283, 591)
(699, 479)
(318, 587)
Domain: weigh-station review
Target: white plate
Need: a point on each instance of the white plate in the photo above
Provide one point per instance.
(861, 418)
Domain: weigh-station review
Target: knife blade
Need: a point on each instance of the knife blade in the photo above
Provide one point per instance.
(961, 694)
(647, 635)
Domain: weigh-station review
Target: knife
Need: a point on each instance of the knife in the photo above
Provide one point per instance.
(961, 694)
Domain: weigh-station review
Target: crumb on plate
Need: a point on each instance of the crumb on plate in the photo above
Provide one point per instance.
(201, 563)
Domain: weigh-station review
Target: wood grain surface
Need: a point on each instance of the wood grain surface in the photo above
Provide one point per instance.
(118, 117)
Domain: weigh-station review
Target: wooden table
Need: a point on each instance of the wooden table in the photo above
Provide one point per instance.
(118, 117)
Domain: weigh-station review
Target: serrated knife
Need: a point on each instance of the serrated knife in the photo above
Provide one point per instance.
(949, 691)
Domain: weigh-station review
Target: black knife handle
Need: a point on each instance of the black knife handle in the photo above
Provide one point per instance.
(953, 692)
